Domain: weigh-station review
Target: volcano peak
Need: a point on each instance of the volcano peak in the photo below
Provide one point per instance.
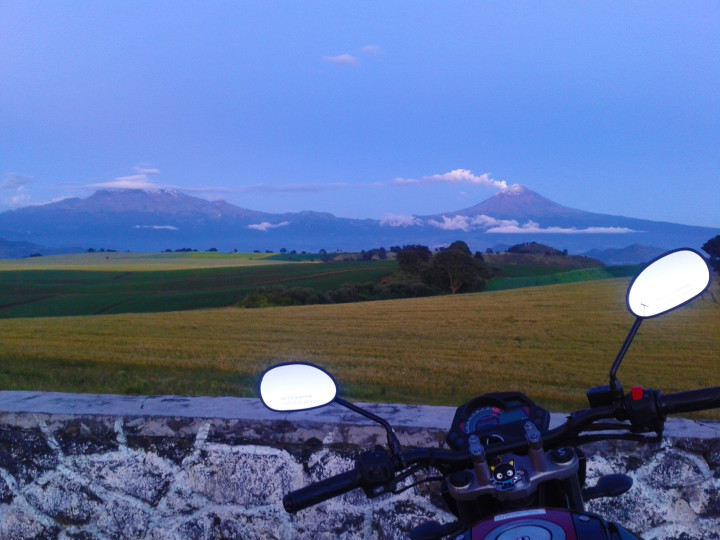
(515, 189)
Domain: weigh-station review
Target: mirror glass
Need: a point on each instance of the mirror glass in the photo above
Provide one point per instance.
(668, 282)
(296, 387)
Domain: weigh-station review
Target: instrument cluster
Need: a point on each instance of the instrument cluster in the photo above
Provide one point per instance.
(496, 418)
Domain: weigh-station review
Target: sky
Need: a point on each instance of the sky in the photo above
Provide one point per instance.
(365, 109)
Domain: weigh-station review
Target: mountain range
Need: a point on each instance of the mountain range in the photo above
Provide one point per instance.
(140, 220)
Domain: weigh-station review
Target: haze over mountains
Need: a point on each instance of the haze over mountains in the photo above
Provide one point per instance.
(139, 220)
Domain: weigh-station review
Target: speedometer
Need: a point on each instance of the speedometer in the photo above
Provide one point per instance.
(482, 419)
(495, 418)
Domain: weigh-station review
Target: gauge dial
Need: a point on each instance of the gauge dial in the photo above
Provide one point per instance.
(482, 419)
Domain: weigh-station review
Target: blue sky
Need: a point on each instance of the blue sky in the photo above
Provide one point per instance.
(364, 109)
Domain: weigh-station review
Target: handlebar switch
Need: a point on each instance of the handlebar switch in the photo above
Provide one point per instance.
(377, 469)
(641, 408)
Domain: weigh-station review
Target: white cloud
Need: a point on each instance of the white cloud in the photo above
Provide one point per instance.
(157, 227)
(510, 226)
(487, 221)
(467, 223)
(534, 228)
(15, 185)
(145, 170)
(608, 230)
(350, 60)
(136, 181)
(15, 181)
(18, 200)
(371, 50)
(456, 176)
(456, 223)
(391, 220)
(266, 226)
(341, 60)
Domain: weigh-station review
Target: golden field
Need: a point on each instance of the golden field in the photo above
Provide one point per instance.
(550, 342)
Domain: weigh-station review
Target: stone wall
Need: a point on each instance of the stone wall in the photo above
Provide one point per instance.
(100, 467)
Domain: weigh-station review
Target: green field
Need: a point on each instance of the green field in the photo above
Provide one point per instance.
(90, 284)
(523, 276)
(111, 283)
(551, 342)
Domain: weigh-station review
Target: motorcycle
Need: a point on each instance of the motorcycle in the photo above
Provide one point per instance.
(506, 474)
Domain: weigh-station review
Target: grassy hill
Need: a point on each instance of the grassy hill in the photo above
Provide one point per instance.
(551, 342)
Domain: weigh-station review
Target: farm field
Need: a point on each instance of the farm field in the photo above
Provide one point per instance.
(551, 342)
(522, 276)
(128, 262)
(90, 284)
(111, 282)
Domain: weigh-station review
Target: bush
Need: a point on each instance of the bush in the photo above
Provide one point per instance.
(281, 296)
(354, 293)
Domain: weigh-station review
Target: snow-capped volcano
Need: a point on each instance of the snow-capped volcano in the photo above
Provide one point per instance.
(154, 220)
(520, 203)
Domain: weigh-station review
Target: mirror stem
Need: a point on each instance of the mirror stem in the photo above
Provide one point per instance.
(614, 384)
(393, 441)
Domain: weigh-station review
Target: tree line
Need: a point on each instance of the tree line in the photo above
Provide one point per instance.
(420, 272)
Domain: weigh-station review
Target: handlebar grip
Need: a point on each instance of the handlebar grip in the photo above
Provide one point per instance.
(692, 400)
(322, 491)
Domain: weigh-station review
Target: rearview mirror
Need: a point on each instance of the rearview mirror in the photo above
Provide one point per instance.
(668, 282)
(296, 387)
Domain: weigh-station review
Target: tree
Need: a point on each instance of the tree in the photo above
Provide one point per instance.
(712, 248)
(413, 258)
(461, 246)
(451, 269)
(455, 269)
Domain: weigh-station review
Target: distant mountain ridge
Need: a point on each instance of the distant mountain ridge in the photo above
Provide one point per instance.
(140, 220)
(628, 255)
(156, 202)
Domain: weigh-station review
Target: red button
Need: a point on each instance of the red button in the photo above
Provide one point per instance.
(637, 393)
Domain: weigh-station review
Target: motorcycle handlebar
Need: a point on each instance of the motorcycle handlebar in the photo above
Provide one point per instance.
(692, 400)
(680, 402)
(322, 491)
